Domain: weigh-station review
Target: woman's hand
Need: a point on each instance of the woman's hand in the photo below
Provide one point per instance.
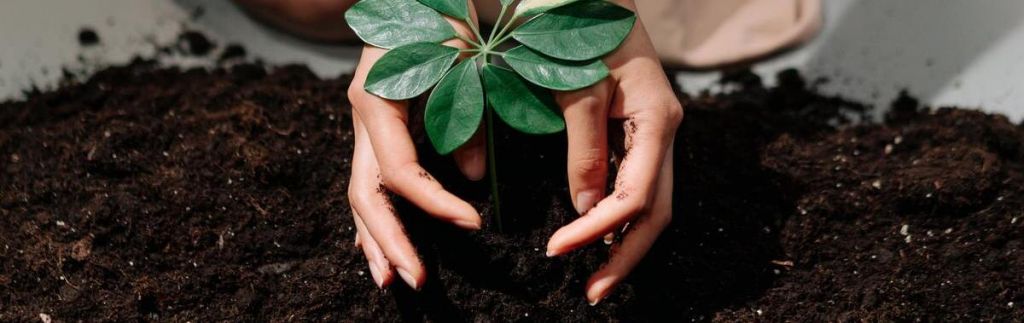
(638, 92)
(384, 159)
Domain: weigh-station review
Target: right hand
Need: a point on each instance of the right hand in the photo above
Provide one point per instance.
(384, 158)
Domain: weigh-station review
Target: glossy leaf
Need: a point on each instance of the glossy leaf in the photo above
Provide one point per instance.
(407, 71)
(532, 7)
(578, 31)
(455, 8)
(519, 104)
(393, 23)
(553, 73)
(455, 108)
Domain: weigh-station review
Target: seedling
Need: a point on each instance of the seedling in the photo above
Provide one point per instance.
(561, 43)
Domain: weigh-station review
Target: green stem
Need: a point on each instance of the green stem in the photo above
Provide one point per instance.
(501, 40)
(492, 165)
(476, 32)
(501, 36)
(466, 39)
(494, 29)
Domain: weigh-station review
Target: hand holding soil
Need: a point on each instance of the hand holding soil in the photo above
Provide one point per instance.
(384, 159)
(636, 92)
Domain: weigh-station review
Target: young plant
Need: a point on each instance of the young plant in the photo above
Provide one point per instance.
(560, 47)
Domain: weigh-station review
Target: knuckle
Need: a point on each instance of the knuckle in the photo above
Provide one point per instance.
(358, 197)
(355, 94)
(674, 112)
(591, 162)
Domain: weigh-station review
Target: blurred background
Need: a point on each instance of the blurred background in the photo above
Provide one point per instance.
(944, 52)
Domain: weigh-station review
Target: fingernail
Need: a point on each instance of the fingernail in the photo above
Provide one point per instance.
(609, 238)
(586, 200)
(377, 277)
(468, 224)
(594, 302)
(550, 253)
(408, 278)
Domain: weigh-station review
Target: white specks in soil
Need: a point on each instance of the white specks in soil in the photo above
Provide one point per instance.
(948, 231)
(888, 149)
(877, 184)
(15, 158)
(1010, 304)
(904, 230)
(61, 223)
(1013, 221)
(898, 140)
(360, 273)
(45, 318)
(759, 312)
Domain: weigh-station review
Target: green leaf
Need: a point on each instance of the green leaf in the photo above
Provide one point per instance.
(522, 106)
(579, 31)
(407, 71)
(455, 108)
(393, 23)
(506, 3)
(553, 73)
(455, 8)
(532, 7)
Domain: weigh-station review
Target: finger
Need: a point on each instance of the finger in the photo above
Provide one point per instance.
(645, 145)
(470, 157)
(638, 239)
(380, 268)
(385, 123)
(376, 214)
(586, 122)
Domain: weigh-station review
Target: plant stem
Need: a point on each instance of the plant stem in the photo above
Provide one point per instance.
(500, 37)
(501, 40)
(476, 32)
(470, 41)
(492, 165)
(494, 29)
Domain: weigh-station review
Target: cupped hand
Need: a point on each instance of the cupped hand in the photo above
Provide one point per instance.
(637, 92)
(384, 159)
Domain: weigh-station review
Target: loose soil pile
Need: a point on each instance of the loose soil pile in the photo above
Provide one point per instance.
(165, 195)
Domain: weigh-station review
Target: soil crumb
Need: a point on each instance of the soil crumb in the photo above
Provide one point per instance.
(88, 37)
(195, 43)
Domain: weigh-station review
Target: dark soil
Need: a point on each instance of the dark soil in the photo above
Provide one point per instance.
(195, 43)
(166, 195)
(88, 37)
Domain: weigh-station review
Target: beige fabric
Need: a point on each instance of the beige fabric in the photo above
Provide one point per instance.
(709, 33)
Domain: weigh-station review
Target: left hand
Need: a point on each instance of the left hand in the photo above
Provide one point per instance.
(638, 91)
